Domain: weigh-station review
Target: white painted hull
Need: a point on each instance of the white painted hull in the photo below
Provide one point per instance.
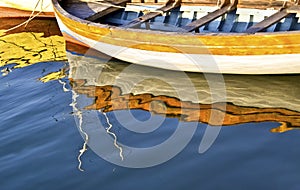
(28, 5)
(258, 64)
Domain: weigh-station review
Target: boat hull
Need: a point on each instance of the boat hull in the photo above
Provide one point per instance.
(13, 21)
(267, 53)
(28, 5)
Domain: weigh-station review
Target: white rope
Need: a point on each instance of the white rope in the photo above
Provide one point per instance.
(31, 17)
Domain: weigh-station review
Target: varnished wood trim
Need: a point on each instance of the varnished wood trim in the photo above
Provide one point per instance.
(216, 44)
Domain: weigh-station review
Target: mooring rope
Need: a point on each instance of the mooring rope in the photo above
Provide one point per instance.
(31, 17)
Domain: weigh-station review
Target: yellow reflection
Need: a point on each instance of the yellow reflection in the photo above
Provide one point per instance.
(2, 32)
(53, 76)
(284, 127)
(27, 48)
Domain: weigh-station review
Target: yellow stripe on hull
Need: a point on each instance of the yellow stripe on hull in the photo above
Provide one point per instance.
(221, 44)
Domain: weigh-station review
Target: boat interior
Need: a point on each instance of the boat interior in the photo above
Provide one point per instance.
(196, 16)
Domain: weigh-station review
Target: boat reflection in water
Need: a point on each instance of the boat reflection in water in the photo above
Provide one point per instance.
(115, 85)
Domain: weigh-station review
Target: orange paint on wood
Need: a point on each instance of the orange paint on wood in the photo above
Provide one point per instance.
(216, 44)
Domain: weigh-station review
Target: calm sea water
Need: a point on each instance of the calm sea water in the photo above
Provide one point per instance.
(40, 143)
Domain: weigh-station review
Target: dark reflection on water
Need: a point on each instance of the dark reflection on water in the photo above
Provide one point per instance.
(39, 145)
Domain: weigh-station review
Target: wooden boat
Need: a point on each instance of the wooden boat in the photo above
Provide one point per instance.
(14, 21)
(28, 35)
(28, 5)
(226, 36)
(113, 85)
(27, 16)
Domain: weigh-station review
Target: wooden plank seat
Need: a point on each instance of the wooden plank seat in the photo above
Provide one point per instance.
(116, 5)
(281, 14)
(225, 7)
(171, 4)
(268, 21)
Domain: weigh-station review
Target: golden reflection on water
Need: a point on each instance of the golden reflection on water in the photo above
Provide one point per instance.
(2, 33)
(249, 99)
(53, 76)
(27, 48)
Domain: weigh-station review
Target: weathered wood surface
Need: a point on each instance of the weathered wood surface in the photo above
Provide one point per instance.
(260, 4)
(148, 16)
(207, 18)
(270, 43)
(294, 9)
(217, 44)
(6, 12)
(107, 10)
(44, 22)
(268, 21)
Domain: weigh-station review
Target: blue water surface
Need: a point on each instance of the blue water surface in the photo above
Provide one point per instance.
(40, 142)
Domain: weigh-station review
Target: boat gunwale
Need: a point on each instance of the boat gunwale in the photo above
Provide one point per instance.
(58, 8)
